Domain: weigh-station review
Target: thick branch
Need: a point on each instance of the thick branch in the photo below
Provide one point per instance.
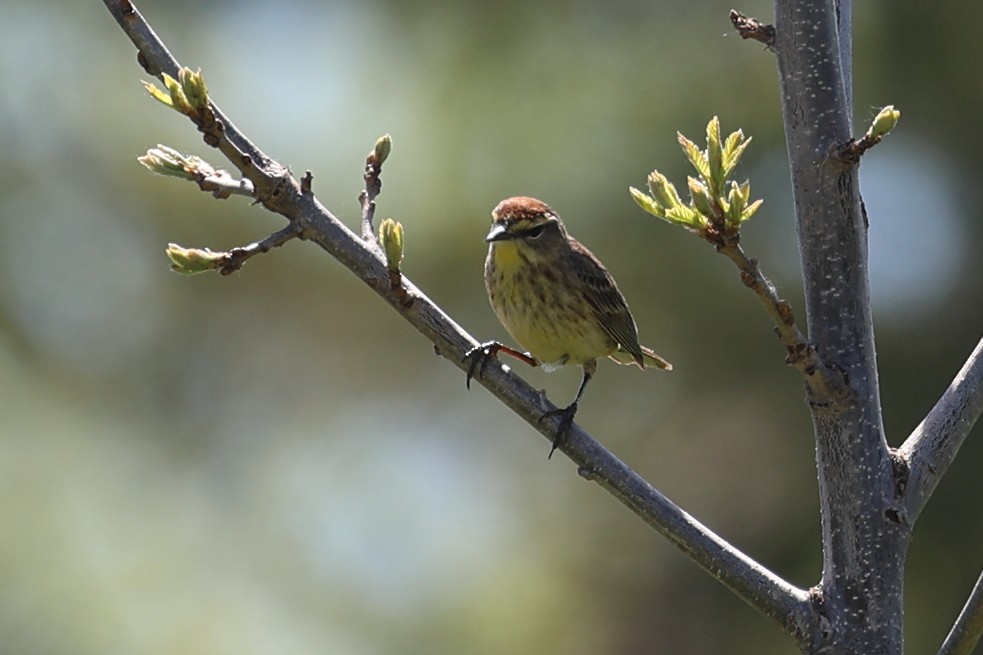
(965, 633)
(933, 445)
(786, 605)
(864, 536)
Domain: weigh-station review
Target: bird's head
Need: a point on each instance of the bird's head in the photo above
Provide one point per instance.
(526, 221)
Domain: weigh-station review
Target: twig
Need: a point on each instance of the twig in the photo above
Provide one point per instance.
(752, 28)
(851, 151)
(222, 185)
(786, 605)
(373, 185)
(367, 199)
(236, 257)
(932, 446)
(801, 355)
(966, 631)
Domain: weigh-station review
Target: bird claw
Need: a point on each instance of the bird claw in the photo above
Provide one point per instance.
(566, 420)
(479, 357)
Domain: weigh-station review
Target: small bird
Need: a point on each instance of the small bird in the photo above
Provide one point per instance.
(556, 299)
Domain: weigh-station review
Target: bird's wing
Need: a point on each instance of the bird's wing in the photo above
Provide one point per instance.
(606, 302)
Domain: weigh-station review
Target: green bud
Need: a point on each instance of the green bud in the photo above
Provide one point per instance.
(193, 86)
(715, 157)
(391, 238)
(725, 207)
(884, 122)
(190, 261)
(178, 100)
(746, 192)
(168, 161)
(157, 160)
(380, 153)
(733, 206)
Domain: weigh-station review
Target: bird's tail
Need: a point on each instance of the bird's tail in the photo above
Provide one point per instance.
(649, 358)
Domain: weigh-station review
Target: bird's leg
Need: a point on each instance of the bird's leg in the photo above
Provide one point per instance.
(479, 356)
(567, 413)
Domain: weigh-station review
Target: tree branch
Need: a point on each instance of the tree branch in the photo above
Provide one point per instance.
(821, 383)
(966, 631)
(266, 175)
(933, 445)
(238, 256)
(786, 605)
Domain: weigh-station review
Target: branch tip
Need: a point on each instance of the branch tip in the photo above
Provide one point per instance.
(882, 124)
(373, 183)
(752, 28)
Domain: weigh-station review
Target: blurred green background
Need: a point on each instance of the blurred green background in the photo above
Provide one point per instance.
(273, 462)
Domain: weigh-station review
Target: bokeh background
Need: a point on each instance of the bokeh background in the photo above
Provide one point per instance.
(273, 462)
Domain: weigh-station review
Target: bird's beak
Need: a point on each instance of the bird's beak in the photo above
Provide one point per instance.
(498, 232)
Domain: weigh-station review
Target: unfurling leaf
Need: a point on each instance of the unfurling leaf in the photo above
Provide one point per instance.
(193, 86)
(647, 203)
(696, 157)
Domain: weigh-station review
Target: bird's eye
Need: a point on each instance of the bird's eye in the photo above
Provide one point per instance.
(535, 232)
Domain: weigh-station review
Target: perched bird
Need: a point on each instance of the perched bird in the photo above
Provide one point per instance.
(556, 299)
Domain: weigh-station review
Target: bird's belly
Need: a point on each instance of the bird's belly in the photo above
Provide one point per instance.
(554, 329)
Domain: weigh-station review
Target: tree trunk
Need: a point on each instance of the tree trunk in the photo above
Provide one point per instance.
(865, 535)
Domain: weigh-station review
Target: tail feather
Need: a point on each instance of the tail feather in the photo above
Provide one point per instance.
(649, 358)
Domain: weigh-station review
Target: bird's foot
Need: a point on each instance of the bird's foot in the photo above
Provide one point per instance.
(478, 357)
(566, 420)
(481, 354)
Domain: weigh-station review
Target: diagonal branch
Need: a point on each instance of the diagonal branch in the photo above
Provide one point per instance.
(822, 383)
(933, 445)
(787, 606)
(266, 175)
(966, 631)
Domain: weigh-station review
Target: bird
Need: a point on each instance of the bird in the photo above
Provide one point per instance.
(556, 299)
